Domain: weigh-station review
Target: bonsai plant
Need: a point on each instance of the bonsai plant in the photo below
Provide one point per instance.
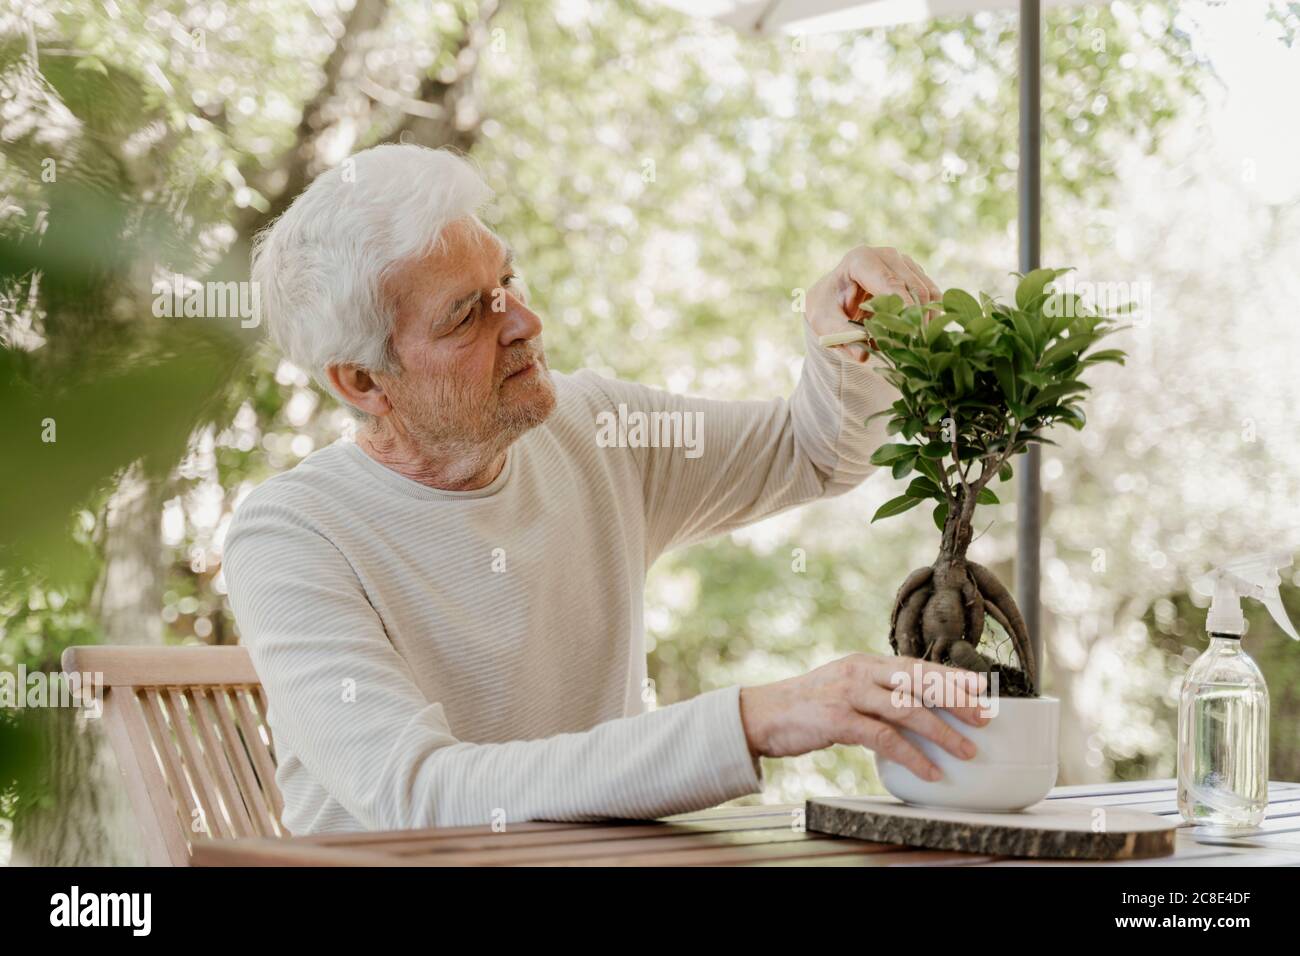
(979, 381)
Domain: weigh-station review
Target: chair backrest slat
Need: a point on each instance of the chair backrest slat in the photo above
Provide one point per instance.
(189, 728)
(167, 755)
(258, 697)
(259, 811)
(127, 724)
(219, 759)
(263, 753)
(199, 775)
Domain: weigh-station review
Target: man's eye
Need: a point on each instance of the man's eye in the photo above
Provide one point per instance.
(509, 279)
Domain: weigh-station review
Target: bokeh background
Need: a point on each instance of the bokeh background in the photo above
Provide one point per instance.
(670, 188)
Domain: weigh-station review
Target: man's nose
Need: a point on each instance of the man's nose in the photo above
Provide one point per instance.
(521, 322)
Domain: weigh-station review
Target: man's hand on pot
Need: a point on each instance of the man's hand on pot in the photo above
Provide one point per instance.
(863, 273)
(860, 699)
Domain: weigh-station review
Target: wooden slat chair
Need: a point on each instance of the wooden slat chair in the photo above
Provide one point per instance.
(188, 727)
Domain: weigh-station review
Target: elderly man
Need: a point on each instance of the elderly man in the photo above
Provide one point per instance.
(446, 614)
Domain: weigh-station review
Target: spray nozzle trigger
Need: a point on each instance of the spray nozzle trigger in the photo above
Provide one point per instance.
(1254, 576)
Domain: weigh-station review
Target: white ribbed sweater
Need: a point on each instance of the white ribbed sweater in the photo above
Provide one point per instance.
(436, 658)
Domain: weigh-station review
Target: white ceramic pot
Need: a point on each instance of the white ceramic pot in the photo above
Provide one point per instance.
(1014, 768)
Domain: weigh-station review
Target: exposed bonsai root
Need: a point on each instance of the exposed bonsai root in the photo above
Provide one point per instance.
(1001, 598)
(995, 612)
(909, 587)
(963, 654)
(940, 614)
(1014, 681)
(970, 593)
(943, 622)
(905, 635)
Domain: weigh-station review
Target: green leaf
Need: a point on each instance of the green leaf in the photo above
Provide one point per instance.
(902, 466)
(1085, 323)
(888, 454)
(986, 497)
(933, 416)
(936, 449)
(1024, 351)
(1006, 379)
(940, 514)
(941, 361)
(985, 328)
(1074, 417)
(955, 376)
(1105, 355)
(891, 304)
(1024, 330)
(1036, 379)
(908, 359)
(1031, 286)
(891, 323)
(895, 506)
(1004, 473)
(932, 330)
(1053, 392)
(1064, 347)
(967, 404)
(924, 488)
(1060, 310)
(927, 467)
(961, 304)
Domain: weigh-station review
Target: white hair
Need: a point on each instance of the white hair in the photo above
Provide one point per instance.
(322, 264)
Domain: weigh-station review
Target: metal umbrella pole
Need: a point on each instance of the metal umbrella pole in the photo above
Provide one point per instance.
(1029, 488)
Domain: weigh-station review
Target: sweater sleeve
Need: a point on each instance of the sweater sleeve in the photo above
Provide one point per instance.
(752, 459)
(343, 701)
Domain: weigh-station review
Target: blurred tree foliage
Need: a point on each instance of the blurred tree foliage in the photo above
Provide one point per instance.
(91, 383)
(670, 189)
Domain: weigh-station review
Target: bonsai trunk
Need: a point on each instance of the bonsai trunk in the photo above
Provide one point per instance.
(940, 611)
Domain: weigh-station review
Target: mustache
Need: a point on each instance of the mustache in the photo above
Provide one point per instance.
(526, 357)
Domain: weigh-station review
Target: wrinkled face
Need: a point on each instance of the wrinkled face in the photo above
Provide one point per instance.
(472, 366)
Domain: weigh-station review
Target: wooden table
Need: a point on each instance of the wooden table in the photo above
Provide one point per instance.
(766, 835)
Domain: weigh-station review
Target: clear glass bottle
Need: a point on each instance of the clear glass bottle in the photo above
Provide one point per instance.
(1223, 739)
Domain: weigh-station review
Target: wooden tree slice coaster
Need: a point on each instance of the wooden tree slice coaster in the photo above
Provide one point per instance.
(1050, 829)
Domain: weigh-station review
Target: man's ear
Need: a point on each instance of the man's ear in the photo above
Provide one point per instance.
(359, 389)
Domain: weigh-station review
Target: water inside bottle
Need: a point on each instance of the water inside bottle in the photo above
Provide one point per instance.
(1223, 754)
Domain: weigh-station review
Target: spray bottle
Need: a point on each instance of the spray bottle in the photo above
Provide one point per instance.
(1223, 708)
